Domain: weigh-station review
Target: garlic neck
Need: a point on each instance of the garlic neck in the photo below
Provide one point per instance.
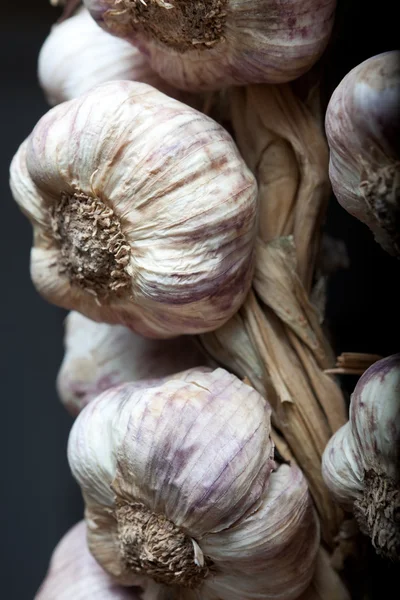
(181, 25)
(381, 190)
(378, 513)
(152, 545)
(93, 250)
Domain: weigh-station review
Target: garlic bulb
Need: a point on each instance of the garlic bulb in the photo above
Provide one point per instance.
(181, 486)
(363, 130)
(75, 575)
(78, 55)
(144, 212)
(99, 356)
(361, 464)
(210, 44)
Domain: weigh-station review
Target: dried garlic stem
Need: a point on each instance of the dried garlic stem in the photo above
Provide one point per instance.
(353, 363)
(292, 199)
(282, 349)
(296, 410)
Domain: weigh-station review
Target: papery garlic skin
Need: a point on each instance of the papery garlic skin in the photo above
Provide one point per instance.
(144, 212)
(193, 459)
(75, 575)
(99, 356)
(361, 464)
(215, 43)
(78, 55)
(363, 131)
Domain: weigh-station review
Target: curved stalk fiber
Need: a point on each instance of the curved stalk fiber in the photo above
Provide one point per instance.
(276, 340)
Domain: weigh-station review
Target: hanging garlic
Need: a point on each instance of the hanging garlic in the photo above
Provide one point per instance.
(75, 575)
(98, 356)
(143, 210)
(78, 55)
(363, 130)
(180, 485)
(361, 464)
(210, 44)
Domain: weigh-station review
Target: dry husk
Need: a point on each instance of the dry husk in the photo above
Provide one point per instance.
(276, 339)
(353, 363)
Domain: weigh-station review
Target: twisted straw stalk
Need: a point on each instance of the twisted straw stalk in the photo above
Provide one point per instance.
(276, 340)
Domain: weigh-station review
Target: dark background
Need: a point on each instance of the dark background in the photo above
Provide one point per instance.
(39, 499)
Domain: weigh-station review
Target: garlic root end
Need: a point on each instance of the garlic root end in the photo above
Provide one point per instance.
(378, 513)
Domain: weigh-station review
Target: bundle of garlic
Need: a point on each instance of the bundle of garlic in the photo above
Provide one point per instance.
(363, 129)
(99, 356)
(75, 575)
(144, 212)
(361, 464)
(181, 486)
(276, 338)
(210, 44)
(78, 55)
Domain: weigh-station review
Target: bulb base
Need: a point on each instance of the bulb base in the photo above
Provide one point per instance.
(381, 191)
(180, 25)
(378, 514)
(94, 253)
(152, 545)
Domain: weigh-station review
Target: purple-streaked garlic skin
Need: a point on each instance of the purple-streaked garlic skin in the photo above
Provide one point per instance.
(276, 570)
(342, 467)
(164, 242)
(99, 356)
(197, 451)
(261, 41)
(78, 55)
(74, 574)
(371, 437)
(361, 463)
(363, 131)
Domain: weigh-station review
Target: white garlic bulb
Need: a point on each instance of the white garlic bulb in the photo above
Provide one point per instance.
(144, 212)
(363, 130)
(74, 574)
(361, 464)
(210, 44)
(180, 485)
(99, 356)
(78, 55)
